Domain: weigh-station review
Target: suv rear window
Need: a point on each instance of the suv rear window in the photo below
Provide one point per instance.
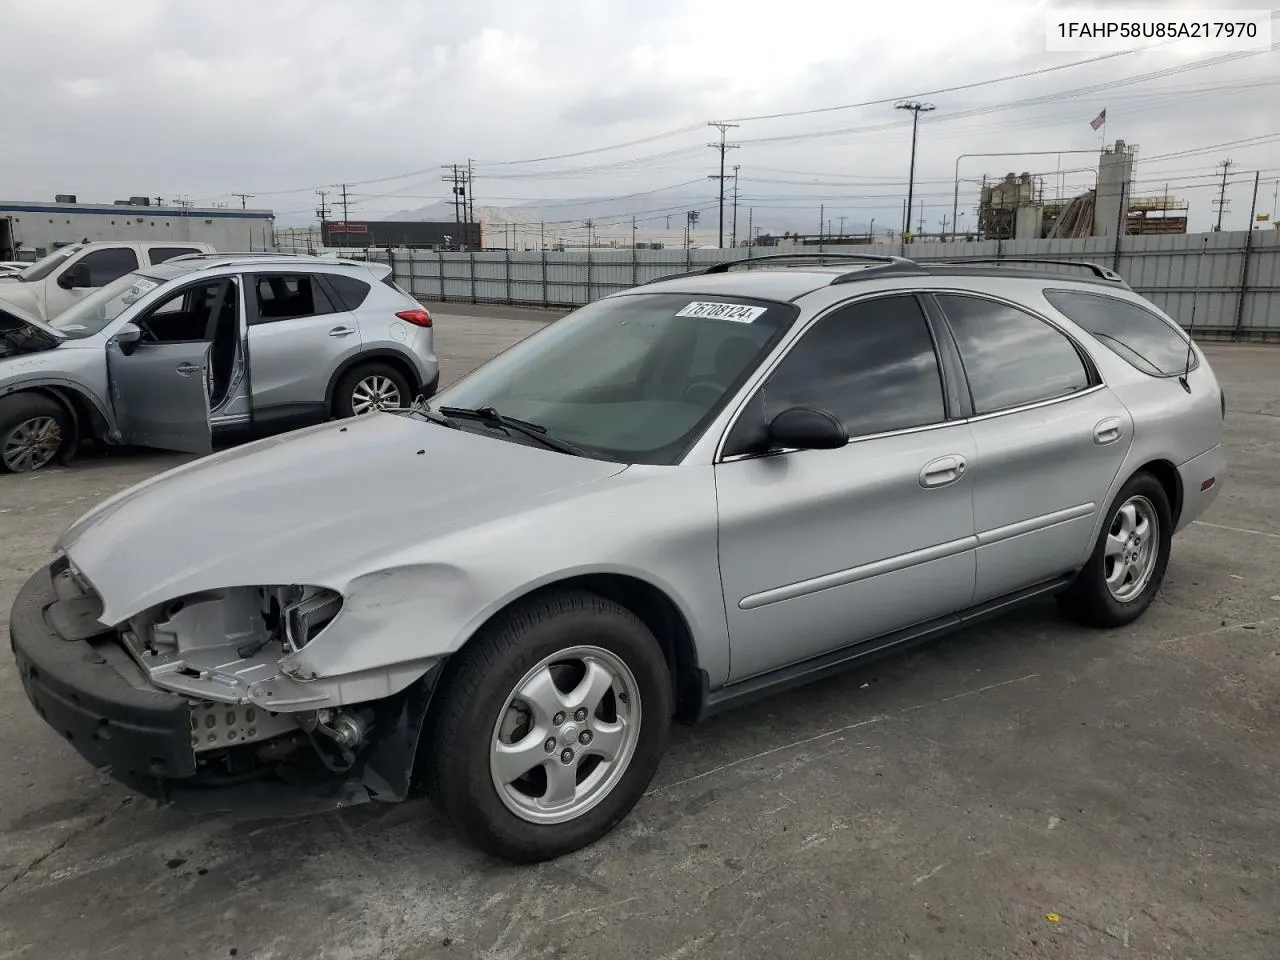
(1142, 338)
(350, 291)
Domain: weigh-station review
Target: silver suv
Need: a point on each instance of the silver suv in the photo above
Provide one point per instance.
(675, 499)
(168, 355)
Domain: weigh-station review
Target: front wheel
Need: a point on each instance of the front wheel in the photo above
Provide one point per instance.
(1128, 563)
(33, 429)
(550, 726)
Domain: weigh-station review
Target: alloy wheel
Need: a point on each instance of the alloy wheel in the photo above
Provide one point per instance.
(1132, 548)
(374, 392)
(566, 735)
(32, 444)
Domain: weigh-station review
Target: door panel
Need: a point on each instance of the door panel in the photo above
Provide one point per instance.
(1049, 437)
(822, 548)
(160, 395)
(1040, 481)
(297, 340)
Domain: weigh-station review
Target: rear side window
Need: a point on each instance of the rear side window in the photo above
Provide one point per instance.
(161, 254)
(1010, 357)
(287, 297)
(351, 292)
(1136, 334)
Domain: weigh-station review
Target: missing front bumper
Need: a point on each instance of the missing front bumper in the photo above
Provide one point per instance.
(83, 688)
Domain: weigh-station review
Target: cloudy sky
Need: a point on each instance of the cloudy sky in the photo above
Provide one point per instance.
(199, 99)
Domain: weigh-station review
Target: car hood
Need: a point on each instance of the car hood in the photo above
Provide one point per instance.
(316, 506)
(21, 296)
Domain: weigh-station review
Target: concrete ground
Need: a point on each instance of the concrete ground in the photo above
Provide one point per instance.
(1028, 789)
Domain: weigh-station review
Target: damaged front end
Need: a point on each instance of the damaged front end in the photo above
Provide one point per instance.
(198, 690)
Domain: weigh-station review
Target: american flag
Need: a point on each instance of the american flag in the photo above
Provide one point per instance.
(1099, 120)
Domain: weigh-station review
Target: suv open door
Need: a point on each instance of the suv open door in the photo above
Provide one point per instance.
(160, 392)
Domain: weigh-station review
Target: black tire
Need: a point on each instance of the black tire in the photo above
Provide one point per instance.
(475, 692)
(1089, 600)
(344, 393)
(21, 410)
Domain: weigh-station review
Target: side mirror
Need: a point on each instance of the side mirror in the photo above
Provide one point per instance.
(77, 276)
(805, 428)
(128, 337)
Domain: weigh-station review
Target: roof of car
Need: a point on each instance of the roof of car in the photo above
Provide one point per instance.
(182, 266)
(791, 276)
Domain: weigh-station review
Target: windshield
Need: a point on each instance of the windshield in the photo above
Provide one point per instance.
(634, 378)
(99, 308)
(46, 265)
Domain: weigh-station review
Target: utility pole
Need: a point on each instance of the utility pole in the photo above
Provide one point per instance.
(588, 226)
(734, 241)
(244, 197)
(455, 190)
(1221, 202)
(921, 228)
(323, 214)
(916, 109)
(633, 233)
(471, 195)
(722, 147)
(751, 232)
(159, 201)
(944, 226)
(841, 234)
(822, 219)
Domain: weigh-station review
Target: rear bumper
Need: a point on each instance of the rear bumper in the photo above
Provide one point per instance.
(91, 693)
(1201, 479)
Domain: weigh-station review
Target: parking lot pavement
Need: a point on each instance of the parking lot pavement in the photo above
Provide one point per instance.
(1025, 789)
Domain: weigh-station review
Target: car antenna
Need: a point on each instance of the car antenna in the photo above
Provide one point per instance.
(1191, 328)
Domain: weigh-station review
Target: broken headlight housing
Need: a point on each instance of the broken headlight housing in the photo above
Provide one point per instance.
(305, 618)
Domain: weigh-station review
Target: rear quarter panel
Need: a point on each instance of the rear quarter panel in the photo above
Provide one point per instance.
(1170, 424)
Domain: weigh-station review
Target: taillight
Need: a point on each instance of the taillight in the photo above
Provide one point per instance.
(419, 317)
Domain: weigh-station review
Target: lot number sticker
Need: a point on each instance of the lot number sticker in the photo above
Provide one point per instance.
(737, 312)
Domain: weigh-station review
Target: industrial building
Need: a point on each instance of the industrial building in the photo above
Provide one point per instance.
(422, 234)
(1015, 208)
(30, 229)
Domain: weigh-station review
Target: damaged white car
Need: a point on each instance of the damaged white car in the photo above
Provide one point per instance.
(677, 498)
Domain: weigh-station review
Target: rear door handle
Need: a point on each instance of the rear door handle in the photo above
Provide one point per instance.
(187, 369)
(944, 470)
(341, 332)
(1107, 431)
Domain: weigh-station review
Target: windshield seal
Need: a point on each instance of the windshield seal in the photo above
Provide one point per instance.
(633, 378)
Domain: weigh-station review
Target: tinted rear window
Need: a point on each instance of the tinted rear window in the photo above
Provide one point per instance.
(161, 254)
(1143, 338)
(351, 292)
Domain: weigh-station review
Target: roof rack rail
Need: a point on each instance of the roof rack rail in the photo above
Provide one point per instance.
(724, 266)
(1099, 271)
(234, 253)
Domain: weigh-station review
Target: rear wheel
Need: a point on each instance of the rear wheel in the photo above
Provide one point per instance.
(1128, 563)
(550, 726)
(33, 429)
(370, 387)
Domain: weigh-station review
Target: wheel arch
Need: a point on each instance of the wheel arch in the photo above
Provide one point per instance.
(391, 358)
(86, 413)
(655, 608)
(1167, 474)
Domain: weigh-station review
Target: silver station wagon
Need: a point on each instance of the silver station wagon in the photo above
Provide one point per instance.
(675, 499)
(203, 344)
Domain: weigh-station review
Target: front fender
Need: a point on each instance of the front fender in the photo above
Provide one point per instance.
(36, 380)
(421, 609)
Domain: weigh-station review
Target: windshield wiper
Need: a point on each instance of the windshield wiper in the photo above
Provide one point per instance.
(536, 431)
(422, 409)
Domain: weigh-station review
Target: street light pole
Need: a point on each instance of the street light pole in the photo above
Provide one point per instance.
(916, 108)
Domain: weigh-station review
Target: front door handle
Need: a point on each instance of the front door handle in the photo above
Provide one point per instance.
(1107, 431)
(187, 369)
(341, 332)
(944, 470)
